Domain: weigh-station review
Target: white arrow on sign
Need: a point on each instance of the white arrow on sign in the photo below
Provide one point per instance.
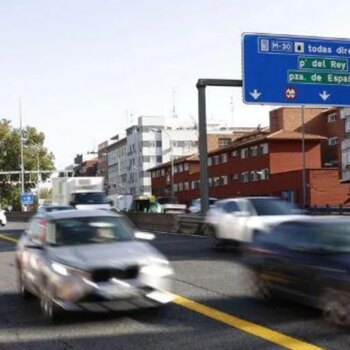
(255, 94)
(324, 95)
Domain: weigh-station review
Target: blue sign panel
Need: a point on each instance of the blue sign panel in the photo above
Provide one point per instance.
(295, 70)
(27, 198)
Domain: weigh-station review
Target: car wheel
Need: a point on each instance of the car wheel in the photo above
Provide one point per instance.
(260, 289)
(47, 304)
(22, 290)
(335, 307)
(215, 242)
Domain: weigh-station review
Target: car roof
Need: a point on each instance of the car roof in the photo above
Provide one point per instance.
(74, 213)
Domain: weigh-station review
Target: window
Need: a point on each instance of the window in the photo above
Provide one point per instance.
(163, 172)
(244, 153)
(186, 167)
(153, 174)
(146, 159)
(195, 185)
(347, 124)
(332, 118)
(224, 180)
(159, 159)
(264, 174)
(254, 151)
(181, 168)
(253, 175)
(230, 207)
(181, 186)
(234, 154)
(158, 143)
(216, 159)
(186, 186)
(175, 188)
(175, 169)
(245, 176)
(210, 182)
(332, 141)
(224, 142)
(264, 148)
(224, 158)
(216, 181)
(209, 161)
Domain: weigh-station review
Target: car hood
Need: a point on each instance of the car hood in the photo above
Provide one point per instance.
(93, 256)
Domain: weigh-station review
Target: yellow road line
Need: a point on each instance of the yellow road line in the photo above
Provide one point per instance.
(8, 238)
(233, 321)
(245, 326)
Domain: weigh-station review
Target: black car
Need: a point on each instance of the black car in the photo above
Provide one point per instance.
(307, 260)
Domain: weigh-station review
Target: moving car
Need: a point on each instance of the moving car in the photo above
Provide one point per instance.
(3, 219)
(89, 260)
(235, 220)
(307, 260)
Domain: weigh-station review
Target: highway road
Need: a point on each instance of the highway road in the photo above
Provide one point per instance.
(213, 309)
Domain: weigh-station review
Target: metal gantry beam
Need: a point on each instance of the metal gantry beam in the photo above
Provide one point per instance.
(202, 122)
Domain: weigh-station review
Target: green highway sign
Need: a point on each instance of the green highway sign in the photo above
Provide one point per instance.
(316, 63)
(321, 78)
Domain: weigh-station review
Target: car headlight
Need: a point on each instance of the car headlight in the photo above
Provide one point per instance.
(157, 270)
(65, 270)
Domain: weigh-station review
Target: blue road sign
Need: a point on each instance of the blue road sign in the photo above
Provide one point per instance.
(295, 70)
(27, 198)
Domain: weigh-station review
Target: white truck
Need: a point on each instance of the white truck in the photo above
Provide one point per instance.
(80, 192)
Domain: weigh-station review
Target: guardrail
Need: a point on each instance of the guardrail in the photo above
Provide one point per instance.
(190, 224)
(329, 210)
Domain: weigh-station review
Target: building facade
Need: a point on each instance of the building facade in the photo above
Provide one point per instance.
(117, 167)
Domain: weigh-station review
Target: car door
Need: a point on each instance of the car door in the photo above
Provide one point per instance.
(293, 265)
(35, 252)
(240, 220)
(227, 219)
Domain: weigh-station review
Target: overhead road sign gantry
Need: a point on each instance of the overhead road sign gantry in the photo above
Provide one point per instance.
(295, 70)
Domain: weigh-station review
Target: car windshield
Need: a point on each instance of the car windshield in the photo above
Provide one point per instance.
(90, 198)
(89, 230)
(264, 206)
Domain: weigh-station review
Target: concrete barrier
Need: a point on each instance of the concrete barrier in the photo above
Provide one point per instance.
(19, 216)
(154, 222)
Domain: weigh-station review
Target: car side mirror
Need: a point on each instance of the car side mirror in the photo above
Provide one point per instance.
(145, 236)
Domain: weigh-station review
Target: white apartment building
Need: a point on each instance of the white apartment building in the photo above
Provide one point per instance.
(150, 143)
(117, 168)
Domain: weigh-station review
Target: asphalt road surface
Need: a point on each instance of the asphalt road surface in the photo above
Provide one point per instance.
(213, 309)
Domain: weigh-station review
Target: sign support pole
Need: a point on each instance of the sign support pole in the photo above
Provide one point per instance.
(202, 143)
(303, 158)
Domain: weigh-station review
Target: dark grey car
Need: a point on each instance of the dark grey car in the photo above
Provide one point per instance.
(82, 260)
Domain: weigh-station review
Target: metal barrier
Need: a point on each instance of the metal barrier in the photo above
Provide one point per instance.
(190, 224)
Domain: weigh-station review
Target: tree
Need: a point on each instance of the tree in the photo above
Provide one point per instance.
(34, 154)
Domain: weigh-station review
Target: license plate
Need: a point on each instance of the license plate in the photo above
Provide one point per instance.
(115, 291)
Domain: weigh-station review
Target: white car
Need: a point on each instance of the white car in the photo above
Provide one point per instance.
(3, 220)
(236, 220)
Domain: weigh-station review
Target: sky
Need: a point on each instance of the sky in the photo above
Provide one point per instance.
(85, 69)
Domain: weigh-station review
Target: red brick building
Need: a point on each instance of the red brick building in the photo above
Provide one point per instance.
(268, 163)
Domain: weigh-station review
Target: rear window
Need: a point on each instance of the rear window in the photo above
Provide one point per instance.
(266, 207)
